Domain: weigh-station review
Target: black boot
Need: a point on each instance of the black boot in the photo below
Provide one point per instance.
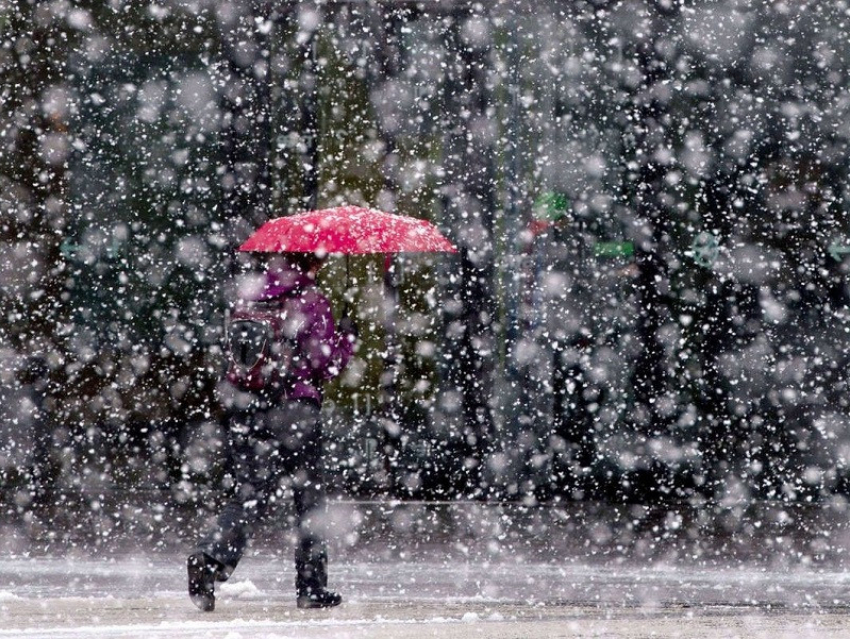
(311, 581)
(322, 598)
(203, 571)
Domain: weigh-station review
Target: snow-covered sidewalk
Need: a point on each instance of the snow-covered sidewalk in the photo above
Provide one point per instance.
(145, 597)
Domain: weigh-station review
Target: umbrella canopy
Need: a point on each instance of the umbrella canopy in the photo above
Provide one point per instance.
(349, 230)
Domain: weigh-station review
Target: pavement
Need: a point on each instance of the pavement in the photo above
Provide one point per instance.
(409, 570)
(137, 596)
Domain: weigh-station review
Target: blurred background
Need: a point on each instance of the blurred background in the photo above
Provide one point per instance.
(649, 304)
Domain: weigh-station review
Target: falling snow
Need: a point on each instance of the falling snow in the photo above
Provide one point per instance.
(648, 307)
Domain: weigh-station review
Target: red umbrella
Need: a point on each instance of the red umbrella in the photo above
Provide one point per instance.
(348, 230)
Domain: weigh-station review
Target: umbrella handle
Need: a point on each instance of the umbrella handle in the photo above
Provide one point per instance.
(346, 307)
(393, 270)
(346, 292)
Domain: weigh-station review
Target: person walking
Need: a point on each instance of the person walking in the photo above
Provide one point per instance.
(283, 346)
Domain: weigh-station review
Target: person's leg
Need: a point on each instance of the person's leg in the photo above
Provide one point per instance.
(222, 546)
(302, 452)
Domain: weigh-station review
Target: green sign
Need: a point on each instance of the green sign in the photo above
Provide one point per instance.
(614, 249)
(838, 251)
(705, 249)
(68, 249)
(551, 206)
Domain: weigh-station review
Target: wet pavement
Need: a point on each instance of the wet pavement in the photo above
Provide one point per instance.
(412, 571)
(123, 596)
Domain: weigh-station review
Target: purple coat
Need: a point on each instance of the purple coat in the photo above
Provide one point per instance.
(325, 352)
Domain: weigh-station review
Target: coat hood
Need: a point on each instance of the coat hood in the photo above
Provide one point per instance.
(284, 278)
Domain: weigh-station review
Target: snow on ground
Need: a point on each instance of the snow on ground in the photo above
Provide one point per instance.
(126, 596)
